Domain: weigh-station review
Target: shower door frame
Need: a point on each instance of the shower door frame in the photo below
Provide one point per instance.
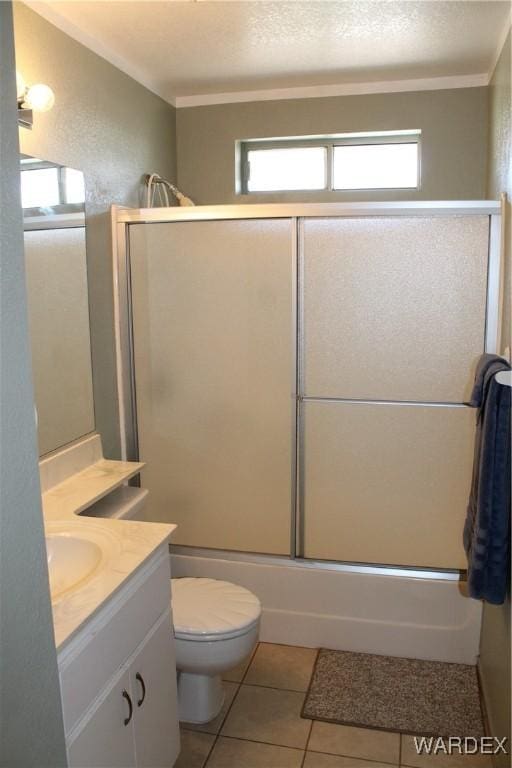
(122, 218)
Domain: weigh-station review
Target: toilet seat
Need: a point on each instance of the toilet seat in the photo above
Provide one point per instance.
(206, 610)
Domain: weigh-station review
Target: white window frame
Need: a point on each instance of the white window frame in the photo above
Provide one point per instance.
(329, 142)
(28, 164)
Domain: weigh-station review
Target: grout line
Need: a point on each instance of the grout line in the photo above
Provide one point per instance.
(267, 743)
(201, 733)
(213, 733)
(210, 751)
(251, 657)
(311, 751)
(275, 688)
(228, 710)
(239, 685)
(307, 744)
(352, 757)
(217, 735)
(289, 645)
(253, 654)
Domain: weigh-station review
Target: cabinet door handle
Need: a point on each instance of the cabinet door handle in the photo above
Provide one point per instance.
(143, 686)
(126, 696)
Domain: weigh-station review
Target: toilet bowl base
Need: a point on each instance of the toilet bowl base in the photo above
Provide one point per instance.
(200, 697)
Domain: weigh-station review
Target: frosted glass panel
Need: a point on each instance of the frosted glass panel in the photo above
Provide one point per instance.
(387, 483)
(394, 308)
(214, 354)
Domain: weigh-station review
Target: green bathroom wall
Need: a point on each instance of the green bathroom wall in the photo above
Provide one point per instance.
(114, 130)
(454, 141)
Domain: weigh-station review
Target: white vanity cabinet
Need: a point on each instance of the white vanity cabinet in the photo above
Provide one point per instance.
(105, 739)
(118, 678)
(155, 717)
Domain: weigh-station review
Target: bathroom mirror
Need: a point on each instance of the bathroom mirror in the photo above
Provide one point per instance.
(53, 202)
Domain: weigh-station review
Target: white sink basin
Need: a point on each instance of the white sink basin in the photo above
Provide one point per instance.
(72, 559)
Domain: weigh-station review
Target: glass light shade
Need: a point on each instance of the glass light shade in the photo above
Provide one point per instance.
(40, 98)
(20, 85)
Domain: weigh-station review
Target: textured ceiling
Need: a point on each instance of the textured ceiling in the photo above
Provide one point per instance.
(185, 48)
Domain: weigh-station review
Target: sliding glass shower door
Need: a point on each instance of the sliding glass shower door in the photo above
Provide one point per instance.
(214, 358)
(393, 322)
(301, 382)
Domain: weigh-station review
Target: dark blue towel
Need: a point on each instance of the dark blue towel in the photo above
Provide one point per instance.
(487, 528)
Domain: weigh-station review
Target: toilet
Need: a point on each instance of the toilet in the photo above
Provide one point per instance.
(216, 626)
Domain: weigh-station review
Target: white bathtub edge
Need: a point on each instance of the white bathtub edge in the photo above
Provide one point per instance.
(415, 618)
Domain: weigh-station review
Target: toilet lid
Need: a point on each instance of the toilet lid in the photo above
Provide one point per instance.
(203, 607)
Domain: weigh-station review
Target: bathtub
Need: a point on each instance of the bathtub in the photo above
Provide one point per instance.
(394, 612)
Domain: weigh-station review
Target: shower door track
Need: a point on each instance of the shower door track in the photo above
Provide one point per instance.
(326, 565)
(122, 218)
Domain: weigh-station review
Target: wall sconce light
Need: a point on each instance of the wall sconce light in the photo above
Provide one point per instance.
(33, 98)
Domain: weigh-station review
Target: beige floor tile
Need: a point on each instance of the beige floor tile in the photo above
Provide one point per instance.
(318, 760)
(233, 753)
(266, 714)
(281, 666)
(411, 758)
(213, 726)
(195, 748)
(236, 675)
(364, 743)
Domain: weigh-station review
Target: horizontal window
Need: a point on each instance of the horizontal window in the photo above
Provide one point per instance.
(375, 166)
(286, 169)
(360, 161)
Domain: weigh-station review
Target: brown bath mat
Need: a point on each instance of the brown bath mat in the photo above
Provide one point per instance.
(406, 695)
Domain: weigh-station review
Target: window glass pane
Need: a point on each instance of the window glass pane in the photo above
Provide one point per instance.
(75, 189)
(284, 169)
(39, 188)
(375, 166)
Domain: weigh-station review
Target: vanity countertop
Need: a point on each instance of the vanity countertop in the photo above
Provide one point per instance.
(126, 545)
(130, 545)
(77, 492)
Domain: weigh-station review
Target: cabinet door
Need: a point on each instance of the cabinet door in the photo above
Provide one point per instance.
(153, 682)
(105, 741)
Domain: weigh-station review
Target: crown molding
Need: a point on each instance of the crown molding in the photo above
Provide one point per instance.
(342, 89)
(501, 43)
(49, 13)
